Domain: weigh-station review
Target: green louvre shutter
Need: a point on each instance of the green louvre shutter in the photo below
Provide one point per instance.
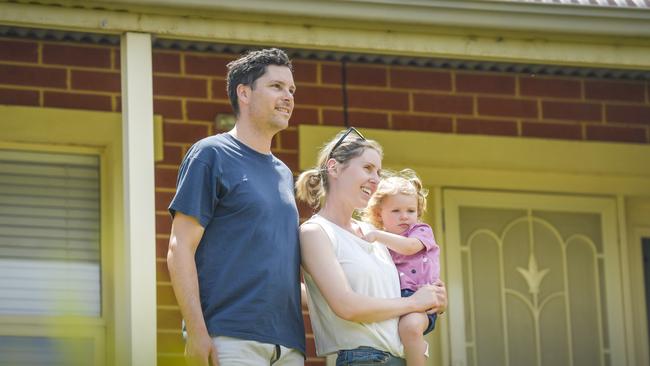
(49, 234)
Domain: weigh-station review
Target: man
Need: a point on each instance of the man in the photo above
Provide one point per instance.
(234, 256)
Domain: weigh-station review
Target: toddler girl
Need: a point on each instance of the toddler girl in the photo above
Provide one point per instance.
(396, 208)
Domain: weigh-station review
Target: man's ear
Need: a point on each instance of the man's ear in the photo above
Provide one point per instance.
(243, 93)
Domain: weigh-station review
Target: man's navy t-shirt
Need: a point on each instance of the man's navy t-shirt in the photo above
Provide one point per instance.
(248, 260)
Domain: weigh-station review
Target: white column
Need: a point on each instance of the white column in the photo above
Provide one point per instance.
(139, 206)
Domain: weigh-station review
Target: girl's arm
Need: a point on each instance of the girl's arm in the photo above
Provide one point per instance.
(397, 243)
(319, 260)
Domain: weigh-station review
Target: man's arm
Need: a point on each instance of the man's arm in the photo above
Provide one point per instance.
(185, 236)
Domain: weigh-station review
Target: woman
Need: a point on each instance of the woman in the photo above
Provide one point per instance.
(353, 286)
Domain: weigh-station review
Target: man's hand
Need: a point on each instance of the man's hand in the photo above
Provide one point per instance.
(201, 351)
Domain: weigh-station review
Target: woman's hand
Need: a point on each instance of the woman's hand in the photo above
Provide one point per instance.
(441, 293)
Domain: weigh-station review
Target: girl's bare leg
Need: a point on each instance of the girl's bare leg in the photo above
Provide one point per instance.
(411, 327)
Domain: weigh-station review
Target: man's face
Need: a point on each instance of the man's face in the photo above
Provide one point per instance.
(271, 98)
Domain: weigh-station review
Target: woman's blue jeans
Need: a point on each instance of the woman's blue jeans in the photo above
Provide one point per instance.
(367, 356)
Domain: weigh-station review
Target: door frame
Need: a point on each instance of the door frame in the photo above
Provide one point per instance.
(606, 207)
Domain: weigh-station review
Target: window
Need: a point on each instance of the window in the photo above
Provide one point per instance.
(50, 259)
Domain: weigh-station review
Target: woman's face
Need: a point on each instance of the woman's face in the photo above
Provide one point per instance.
(358, 179)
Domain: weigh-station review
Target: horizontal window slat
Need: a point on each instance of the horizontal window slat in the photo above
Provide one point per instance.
(57, 223)
(40, 170)
(43, 243)
(51, 233)
(49, 192)
(25, 156)
(50, 254)
(45, 181)
(48, 202)
(63, 212)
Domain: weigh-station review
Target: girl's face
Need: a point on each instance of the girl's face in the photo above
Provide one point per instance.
(398, 212)
(359, 177)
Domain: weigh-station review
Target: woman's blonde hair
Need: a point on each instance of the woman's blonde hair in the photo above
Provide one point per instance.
(403, 182)
(312, 185)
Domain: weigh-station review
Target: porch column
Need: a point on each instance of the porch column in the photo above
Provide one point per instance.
(139, 205)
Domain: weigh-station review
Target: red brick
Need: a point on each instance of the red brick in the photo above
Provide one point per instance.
(311, 347)
(356, 119)
(304, 116)
(116, 59)
(615, 90)
(616, 133)
(170, 342)
(18, 97)
(331, 73)
(318, 95)
(485, 83)
(206, 111)
(165, 295)
(289, 139)
(420, 79)
(184, 132)
(98, 81)
(33, 76)
(166, 62)
(206, 65)
(549, 87)
(422, 123)
(310, 362)
(507, 107)
(172, 155)
(18, 51)
(177, 86)
(77, 101)
(169, 319)
(304, 211)
(163, 223)
(165, 177)
(60, 54)
(290, 159)
(163, 199)
(168, 108)
(305, 71)
(628, 114)
(307, 321)
(219, 90)
(572, 111)
(551, 130)
(453, 104)
(376, 99)
(486, 127)
(366, 75)
(161, 247)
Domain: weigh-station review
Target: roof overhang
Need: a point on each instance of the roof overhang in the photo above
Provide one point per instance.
(502, 31)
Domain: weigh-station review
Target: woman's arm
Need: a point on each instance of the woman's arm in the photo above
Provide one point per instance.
(398, 243)
(319, 261)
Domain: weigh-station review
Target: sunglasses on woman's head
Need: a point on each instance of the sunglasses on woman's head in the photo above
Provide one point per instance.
(342, 138)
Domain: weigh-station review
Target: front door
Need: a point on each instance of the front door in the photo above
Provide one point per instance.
(533, 279)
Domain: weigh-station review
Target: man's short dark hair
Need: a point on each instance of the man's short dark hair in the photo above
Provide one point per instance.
(250, 67)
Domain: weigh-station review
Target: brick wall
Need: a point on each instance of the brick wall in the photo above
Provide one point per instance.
(189, 90)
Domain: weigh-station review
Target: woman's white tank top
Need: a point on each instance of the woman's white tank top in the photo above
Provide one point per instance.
(370, 271)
